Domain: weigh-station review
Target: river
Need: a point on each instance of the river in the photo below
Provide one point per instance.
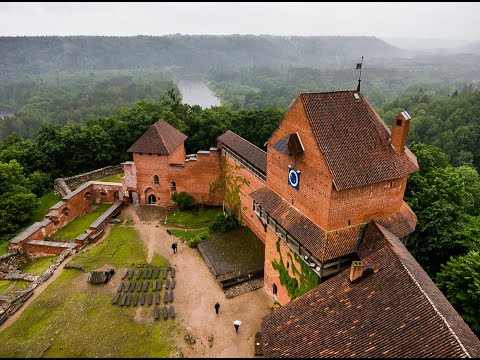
(196, 92)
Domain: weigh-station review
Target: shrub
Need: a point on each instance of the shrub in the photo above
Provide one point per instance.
(183, 200)
(224, 223)
(197, 239)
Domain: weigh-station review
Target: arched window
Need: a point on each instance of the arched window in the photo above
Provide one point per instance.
(274, 289)
(156, 181)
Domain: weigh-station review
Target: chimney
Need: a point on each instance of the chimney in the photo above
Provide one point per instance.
(400, 127)
(356, 271)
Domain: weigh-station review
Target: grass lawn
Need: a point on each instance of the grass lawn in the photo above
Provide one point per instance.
(117, 178)
(123, 247)
(3, 248)
(38, 266)
(74, 319)
(80, 224)
(44, 205)
(191, 220)
(188, 235)
(4, 284)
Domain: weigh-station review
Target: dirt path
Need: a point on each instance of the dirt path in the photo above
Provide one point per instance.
(39, 289)
(196, 293)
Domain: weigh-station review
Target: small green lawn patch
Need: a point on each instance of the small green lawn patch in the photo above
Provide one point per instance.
(74, 319)
(44, 205)
(192, 219)
(80, 224)
(19, 285)
(3, 248)
(189, 235)
(4, 284)
(38, 266)
(117, 178)
(122, 248)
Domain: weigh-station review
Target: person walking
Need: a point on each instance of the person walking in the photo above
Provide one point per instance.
(237, 324)
(174, 247)
(217, 307)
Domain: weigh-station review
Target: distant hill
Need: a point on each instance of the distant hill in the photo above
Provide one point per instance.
(473, 47)
(182, 53)
(428, 45)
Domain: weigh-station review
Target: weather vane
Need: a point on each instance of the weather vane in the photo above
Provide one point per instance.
(359, 67)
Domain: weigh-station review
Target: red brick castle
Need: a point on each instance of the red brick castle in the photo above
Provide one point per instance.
(327, 201)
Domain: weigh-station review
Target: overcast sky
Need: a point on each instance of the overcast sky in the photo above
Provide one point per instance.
(452, 21)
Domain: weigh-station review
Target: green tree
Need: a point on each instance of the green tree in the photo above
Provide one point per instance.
(459, 279)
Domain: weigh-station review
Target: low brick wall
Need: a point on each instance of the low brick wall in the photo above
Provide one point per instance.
(73, 181)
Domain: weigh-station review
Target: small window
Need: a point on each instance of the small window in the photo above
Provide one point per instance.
(399, 122)
(173, 186)
(392, 183)
(103, 194)
(275, 289)
(288, 264)
(349, 221)
(140, 153)
(156, 181)
(292, 201)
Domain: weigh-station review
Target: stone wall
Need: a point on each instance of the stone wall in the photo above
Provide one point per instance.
(73, 181)
(12, 261)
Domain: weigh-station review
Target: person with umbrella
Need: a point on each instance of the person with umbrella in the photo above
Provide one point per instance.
(237, 324)
(217, 307)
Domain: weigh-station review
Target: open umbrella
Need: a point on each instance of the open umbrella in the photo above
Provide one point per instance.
(237, 322)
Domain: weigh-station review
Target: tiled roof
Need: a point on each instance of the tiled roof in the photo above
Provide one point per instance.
(162, 138)
(402, 223)
(395, 312)
(251, 153)
(354, 140)
(322, 244)
(290, 144)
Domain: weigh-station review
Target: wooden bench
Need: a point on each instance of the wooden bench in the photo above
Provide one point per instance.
(157, 298)
(172, 312)
(132, 286)
(155, 313)
(159, 285)
(115, 299)
(165, 313)
(144, 274)
(171, 295)
(130, 274)
(120, 287)
(172, 284)
(127, 301)
(149, 274)
(167, 284)
(172, 272)
(165, 273)
(154, 285)
(124, 297)
(166, 297)
(135, 299)
(139, 286)
(149, 299)
(145, 286)
(125, 275)
(142, 299)
(155, 273)
(139, 274)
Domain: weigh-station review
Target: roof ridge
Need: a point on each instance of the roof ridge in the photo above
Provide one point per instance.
(381, 228)
(244, 139)
(330, 92)
(160, 135)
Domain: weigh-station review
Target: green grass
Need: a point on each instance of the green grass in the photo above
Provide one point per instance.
(38, 266)
(191, 220)
(74, 319)
(80, 224)
(4, 284)
(122, 247)
(112, 178)
(188, 235)
(3, 248)
(44, 205)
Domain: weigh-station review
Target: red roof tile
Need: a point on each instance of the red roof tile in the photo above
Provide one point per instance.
(162, 138)
(322, 244)
(402, 223)
(395, 312)
(354, 140)
(251, 153)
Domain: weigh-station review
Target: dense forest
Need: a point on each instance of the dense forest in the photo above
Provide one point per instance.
(78, 103)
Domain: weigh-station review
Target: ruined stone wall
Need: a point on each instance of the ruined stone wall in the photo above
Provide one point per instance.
(76, 180)
(10, 262)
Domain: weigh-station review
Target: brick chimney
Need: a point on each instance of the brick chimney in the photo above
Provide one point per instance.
(356, 271)
(400, 127)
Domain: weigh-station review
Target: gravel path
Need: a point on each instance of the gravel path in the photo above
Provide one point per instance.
(196, 293)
